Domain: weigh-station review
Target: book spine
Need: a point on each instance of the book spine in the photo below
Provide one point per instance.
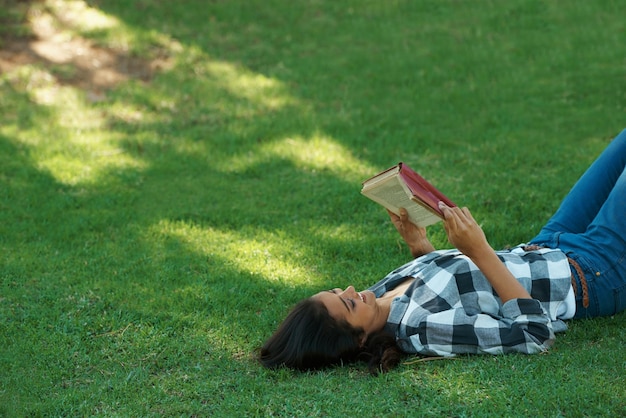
(423, 190)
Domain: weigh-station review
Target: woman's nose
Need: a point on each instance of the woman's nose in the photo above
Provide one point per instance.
(349, 290)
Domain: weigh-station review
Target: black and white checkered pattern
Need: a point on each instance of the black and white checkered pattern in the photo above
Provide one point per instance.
(451, 308)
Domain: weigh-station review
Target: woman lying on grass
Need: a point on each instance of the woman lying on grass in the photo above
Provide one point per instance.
(473, 299)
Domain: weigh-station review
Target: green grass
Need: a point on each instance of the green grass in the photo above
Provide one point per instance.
(151, 241)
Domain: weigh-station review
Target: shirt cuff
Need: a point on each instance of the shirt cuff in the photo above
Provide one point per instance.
(517, 307)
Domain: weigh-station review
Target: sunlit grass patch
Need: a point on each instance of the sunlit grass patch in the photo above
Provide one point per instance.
(268, 255)
(79, 15)
(238, 81)
(77, 18)
(72, 145)
(317, 153)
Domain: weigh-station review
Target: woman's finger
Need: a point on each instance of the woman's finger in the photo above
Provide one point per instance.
(450, 220)
(469, 215)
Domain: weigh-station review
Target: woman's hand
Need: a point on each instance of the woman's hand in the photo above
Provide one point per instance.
(463, 231)
(414, 236)
(468, 237)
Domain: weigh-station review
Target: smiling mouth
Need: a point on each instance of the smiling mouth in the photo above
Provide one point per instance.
(363, 298)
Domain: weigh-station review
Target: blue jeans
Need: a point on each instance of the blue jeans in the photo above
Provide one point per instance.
(590, 227)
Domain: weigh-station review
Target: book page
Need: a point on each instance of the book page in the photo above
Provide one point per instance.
(393, 194)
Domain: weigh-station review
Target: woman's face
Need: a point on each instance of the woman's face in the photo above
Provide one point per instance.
(359, 309)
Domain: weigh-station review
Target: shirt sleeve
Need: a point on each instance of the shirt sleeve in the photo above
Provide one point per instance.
(522, 326)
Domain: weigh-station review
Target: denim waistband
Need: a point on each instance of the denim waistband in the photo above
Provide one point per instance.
(577, 273)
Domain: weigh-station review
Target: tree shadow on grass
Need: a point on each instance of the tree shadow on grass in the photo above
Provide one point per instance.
(91, 302)
(122, 268)
(92, 268)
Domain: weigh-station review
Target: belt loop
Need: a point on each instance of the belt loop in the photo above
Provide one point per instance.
(583, 282)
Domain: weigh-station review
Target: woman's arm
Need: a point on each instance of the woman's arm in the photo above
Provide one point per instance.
(467, 236)
(414, 236)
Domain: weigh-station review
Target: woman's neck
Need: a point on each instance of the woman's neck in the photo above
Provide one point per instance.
(384, 302)
(399, 290)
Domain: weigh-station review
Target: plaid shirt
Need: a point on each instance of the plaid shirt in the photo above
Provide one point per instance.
(451, 308)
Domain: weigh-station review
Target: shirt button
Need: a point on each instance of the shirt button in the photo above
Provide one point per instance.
(597, 273)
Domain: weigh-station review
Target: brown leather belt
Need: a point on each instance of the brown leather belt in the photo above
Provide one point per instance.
(583, 282)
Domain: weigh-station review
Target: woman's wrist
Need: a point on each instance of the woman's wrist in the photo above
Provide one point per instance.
(421, 248)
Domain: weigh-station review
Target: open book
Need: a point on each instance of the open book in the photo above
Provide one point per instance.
(400, 187)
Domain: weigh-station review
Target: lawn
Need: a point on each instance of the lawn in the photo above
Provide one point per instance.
(174, 176)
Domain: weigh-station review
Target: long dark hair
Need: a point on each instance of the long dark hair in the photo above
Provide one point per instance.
(310, 338)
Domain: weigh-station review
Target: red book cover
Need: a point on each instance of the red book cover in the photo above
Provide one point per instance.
(421, 188)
